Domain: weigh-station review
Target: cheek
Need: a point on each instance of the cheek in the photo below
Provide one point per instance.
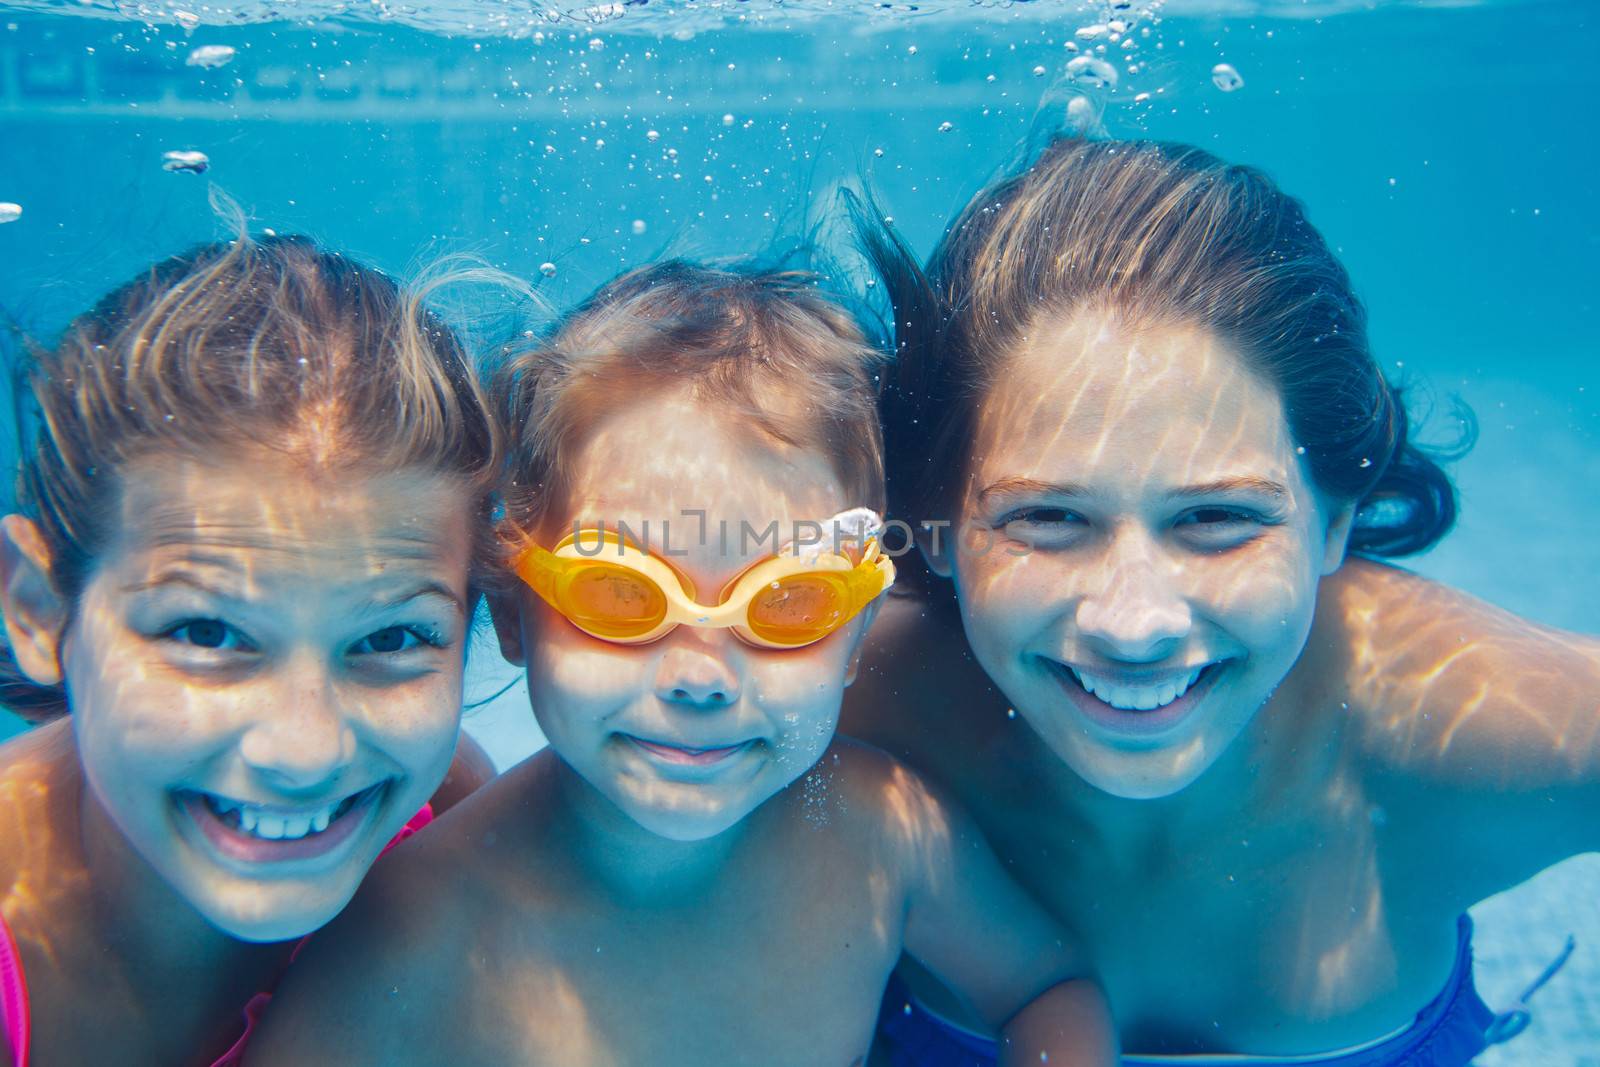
(131, 715)
(572, 677)
(1264, 597)
(1005, 596)
(800, 692)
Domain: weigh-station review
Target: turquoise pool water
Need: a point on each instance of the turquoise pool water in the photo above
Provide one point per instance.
(1446, 148)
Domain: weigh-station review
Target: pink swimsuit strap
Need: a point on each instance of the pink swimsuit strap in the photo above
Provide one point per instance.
(13, 998)
(14, 991)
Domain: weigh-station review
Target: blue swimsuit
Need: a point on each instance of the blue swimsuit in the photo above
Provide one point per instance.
(1451, 1030)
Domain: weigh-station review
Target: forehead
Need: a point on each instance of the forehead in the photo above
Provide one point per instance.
(1088, 396)
(674, 457)
(285, 515)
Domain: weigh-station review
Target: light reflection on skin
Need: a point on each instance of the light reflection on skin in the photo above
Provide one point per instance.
(1375, 754)
(261, 632)
(693, 688)
(1149, 516)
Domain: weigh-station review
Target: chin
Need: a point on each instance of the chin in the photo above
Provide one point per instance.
(686, 826)
(1149, 774)
(251, 920)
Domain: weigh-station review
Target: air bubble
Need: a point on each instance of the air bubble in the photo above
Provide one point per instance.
(727, 120)
(1038, 72)
(10, 212)
(1091, 72)
(1082, 115)
(946, 127)
(596, 44)
(878, 152)
(638, 227)
(1224, 77)
(211, 56)
(548, 269)
(1089, 33)
(193, 162)
(653, 136)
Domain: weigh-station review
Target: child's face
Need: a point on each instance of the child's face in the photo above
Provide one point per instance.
(692, 732)
(265, 677)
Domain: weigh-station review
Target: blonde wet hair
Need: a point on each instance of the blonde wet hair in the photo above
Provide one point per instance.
(273, 344)
(768, 348)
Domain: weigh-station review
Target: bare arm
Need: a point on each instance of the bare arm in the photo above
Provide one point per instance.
(971, 924)
(1495, 718)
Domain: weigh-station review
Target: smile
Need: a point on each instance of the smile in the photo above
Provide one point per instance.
(1136, 705)
(1137, 697)
(686, 755)
(265, 833)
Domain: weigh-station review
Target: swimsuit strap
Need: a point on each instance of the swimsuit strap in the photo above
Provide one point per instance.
(13, 998)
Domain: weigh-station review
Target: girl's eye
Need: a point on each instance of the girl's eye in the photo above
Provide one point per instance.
(393, 639)
(1041, 518)
(209, 634)
(1043, 526)
(1213, 517)
(1218, 527)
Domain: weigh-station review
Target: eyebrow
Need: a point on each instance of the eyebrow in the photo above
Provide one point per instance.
(1032, 487)
(1246, 483)
(181, 577)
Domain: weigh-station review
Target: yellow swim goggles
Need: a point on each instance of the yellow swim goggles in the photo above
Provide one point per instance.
(614, 590)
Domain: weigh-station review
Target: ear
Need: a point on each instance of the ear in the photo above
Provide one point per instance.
(35, 614)
(1337, 538)
(859, 640)
(506, 611)
(936, 542)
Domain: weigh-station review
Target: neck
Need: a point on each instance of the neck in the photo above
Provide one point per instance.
(635, 866)
(1286, 756)
(173, 967)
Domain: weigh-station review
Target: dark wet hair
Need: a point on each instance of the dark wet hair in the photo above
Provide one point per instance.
(1155, 233)
(274, 344)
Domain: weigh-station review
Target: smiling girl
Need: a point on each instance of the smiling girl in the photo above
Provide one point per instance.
(1263, 773)
(238, 586)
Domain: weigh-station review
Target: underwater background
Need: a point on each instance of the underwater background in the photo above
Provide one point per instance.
(1447, 149)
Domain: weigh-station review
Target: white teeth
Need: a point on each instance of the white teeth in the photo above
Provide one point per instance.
(275, 825)
(1136, 698)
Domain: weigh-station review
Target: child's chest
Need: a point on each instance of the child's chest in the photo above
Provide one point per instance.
(789, 971)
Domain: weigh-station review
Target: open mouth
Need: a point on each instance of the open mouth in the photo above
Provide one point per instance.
(1152, 706)
(266, 833)
(689, 756)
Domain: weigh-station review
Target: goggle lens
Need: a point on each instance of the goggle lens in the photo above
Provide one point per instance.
(613, 602)
(797, 610)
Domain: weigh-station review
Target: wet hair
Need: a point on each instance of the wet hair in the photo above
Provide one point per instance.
(766, 347)
(274, 345)
(1157, 234)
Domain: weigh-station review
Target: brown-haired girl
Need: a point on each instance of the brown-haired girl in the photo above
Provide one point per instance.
(1264, 780)
(252, 522)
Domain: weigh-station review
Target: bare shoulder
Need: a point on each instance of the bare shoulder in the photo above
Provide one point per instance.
(1438, 677)
(414, 921)
(39, 780)
(895, 808)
